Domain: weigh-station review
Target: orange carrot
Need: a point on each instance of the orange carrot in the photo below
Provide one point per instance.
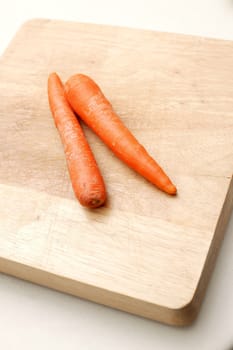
(88, 101)
(85, 176)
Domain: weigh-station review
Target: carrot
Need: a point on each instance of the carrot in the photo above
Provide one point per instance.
(88, 101)
(85, 176)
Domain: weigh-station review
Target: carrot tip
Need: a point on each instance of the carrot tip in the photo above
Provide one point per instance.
(171, 189)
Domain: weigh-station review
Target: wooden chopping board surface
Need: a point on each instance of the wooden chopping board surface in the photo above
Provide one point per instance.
(144, 252)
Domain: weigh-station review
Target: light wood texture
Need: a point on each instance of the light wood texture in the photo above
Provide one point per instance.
(145, 252)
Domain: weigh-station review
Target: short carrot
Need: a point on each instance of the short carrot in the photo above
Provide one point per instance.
(85, 176)
(88, 101)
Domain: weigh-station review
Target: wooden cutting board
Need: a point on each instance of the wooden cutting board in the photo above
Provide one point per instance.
(144, 252)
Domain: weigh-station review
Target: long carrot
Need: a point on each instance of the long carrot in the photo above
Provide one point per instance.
(85, 176)
(88, 101)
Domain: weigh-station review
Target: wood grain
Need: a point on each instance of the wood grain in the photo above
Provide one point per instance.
(145, 252)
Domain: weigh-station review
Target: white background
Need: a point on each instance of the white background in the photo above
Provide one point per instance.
(32, 317)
